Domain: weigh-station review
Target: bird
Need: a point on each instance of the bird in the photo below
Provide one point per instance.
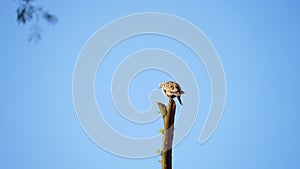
(171, 89)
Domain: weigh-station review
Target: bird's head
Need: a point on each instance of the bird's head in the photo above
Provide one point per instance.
(161, 84)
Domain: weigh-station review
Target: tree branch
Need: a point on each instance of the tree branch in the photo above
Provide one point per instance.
(168, 114)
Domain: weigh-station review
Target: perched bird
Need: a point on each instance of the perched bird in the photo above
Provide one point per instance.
(171, 89)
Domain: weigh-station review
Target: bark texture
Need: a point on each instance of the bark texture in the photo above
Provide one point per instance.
(168, 114)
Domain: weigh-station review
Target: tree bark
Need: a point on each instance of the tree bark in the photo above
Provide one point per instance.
(168, 114)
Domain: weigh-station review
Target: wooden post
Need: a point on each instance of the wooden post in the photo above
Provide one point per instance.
(168, 114)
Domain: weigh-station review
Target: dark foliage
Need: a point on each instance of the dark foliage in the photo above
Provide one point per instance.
(28, 13)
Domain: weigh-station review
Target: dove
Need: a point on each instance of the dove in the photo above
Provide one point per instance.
(171, 89)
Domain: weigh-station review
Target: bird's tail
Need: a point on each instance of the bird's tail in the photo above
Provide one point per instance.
(179, 99)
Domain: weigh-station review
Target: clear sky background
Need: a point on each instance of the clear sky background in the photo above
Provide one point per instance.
(258, 44)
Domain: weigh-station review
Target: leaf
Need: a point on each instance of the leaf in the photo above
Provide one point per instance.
(161, 131)
(49, 17)
(21, 15)
(35, 33)
(25, 13)
(158, 152)
(29, 11)
(34, 37)
(27, 1)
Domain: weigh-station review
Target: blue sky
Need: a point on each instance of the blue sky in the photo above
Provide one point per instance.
(257, 43)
